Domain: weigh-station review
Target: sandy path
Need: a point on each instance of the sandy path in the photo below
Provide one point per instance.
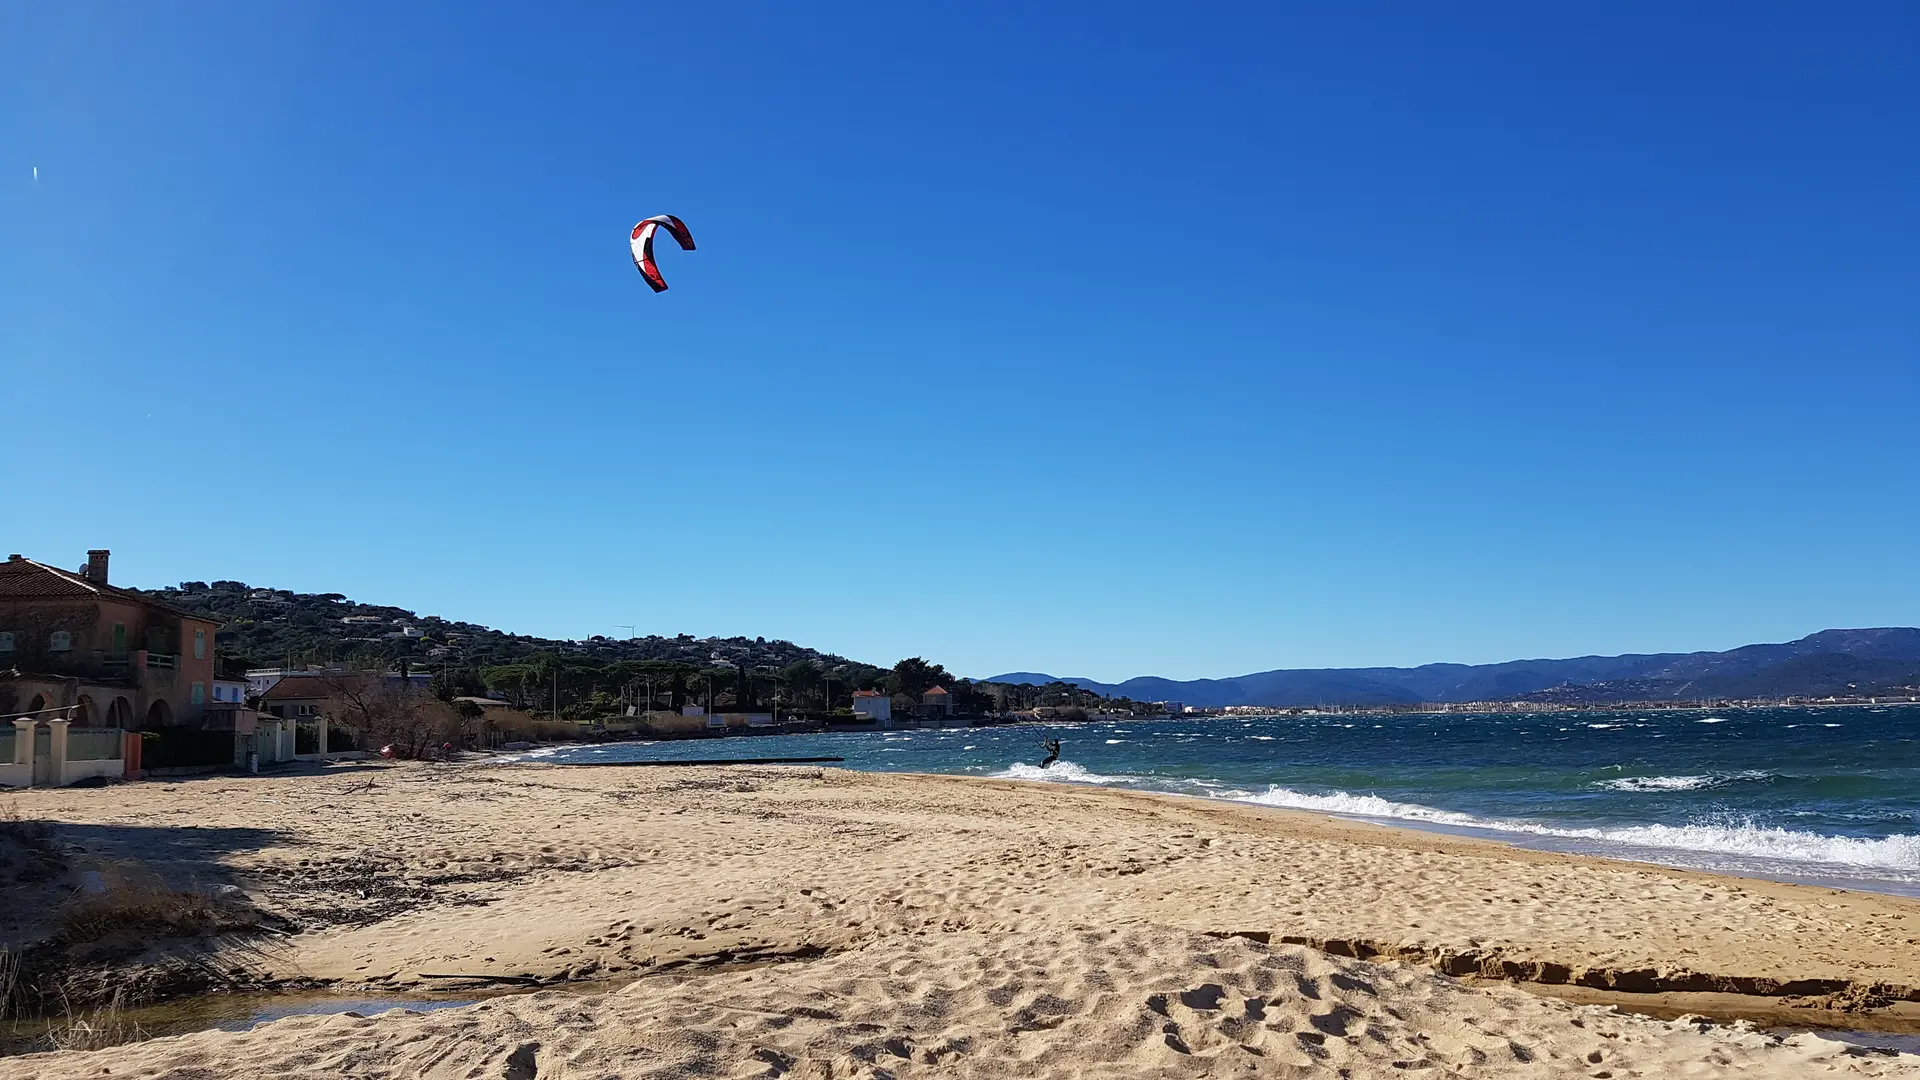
(545, 871)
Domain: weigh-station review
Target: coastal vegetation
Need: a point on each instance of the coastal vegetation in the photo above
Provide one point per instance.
(579, 681)
(599, 677)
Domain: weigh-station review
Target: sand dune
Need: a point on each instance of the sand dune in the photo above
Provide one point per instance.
(945, 926)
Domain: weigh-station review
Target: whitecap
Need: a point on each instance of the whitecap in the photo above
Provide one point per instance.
(1262, 738)
(1829, 725)
(1712, 720)
(1115, 742)
(1680, 783)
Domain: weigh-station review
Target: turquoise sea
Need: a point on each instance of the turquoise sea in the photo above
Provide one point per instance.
(1829, 795)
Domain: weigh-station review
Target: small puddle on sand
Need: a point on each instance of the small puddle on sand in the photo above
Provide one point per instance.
(209, 1012)
(242, 1011)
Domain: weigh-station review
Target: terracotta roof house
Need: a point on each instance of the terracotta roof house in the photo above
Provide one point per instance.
(302, 695)
(73, 646)
(936, 702)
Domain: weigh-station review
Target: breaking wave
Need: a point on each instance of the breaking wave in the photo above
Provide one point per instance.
(1900, 851)
(533, 755)
(1060, 772)
(1341, 802)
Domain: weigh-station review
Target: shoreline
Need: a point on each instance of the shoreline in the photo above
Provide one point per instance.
(1492, 833)
(1546, 835)
(765, 878)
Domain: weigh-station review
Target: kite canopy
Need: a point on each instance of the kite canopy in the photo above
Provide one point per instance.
(643, 246)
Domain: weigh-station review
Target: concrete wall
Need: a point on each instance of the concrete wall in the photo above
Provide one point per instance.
(666, 723)
(62, 769)
(17, 771)
(76, 771)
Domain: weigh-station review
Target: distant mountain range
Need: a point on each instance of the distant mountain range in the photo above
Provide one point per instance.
(1881, 661)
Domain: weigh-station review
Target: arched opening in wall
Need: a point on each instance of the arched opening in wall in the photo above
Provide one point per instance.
(120, 714)
(36, 707)
(82, 713)
(159, 715)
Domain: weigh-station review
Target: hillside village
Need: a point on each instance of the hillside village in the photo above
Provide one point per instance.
(261, 627)
(99, 680)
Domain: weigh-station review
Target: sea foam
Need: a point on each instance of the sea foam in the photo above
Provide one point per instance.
(1897, 852)
(1062, 772)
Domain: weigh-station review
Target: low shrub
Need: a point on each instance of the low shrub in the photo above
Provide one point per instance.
(129, 906)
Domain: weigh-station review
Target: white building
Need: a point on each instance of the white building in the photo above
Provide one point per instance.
(873, 705)
(261, 680)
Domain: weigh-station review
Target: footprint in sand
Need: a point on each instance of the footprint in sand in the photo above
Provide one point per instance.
(522, 1063)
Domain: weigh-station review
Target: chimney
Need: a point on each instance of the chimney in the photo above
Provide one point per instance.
(97, 566)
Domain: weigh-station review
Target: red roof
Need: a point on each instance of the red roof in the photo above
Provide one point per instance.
(868, 693)
(941, 690)
(303, 686)
(25, 579)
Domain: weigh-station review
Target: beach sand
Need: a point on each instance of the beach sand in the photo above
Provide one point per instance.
(824, 923)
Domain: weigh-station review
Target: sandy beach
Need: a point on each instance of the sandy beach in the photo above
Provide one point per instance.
(761, 921)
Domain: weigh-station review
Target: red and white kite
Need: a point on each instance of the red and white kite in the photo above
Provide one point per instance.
(643, 246)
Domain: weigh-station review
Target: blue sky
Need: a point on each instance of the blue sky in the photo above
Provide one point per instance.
(1102, 340)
